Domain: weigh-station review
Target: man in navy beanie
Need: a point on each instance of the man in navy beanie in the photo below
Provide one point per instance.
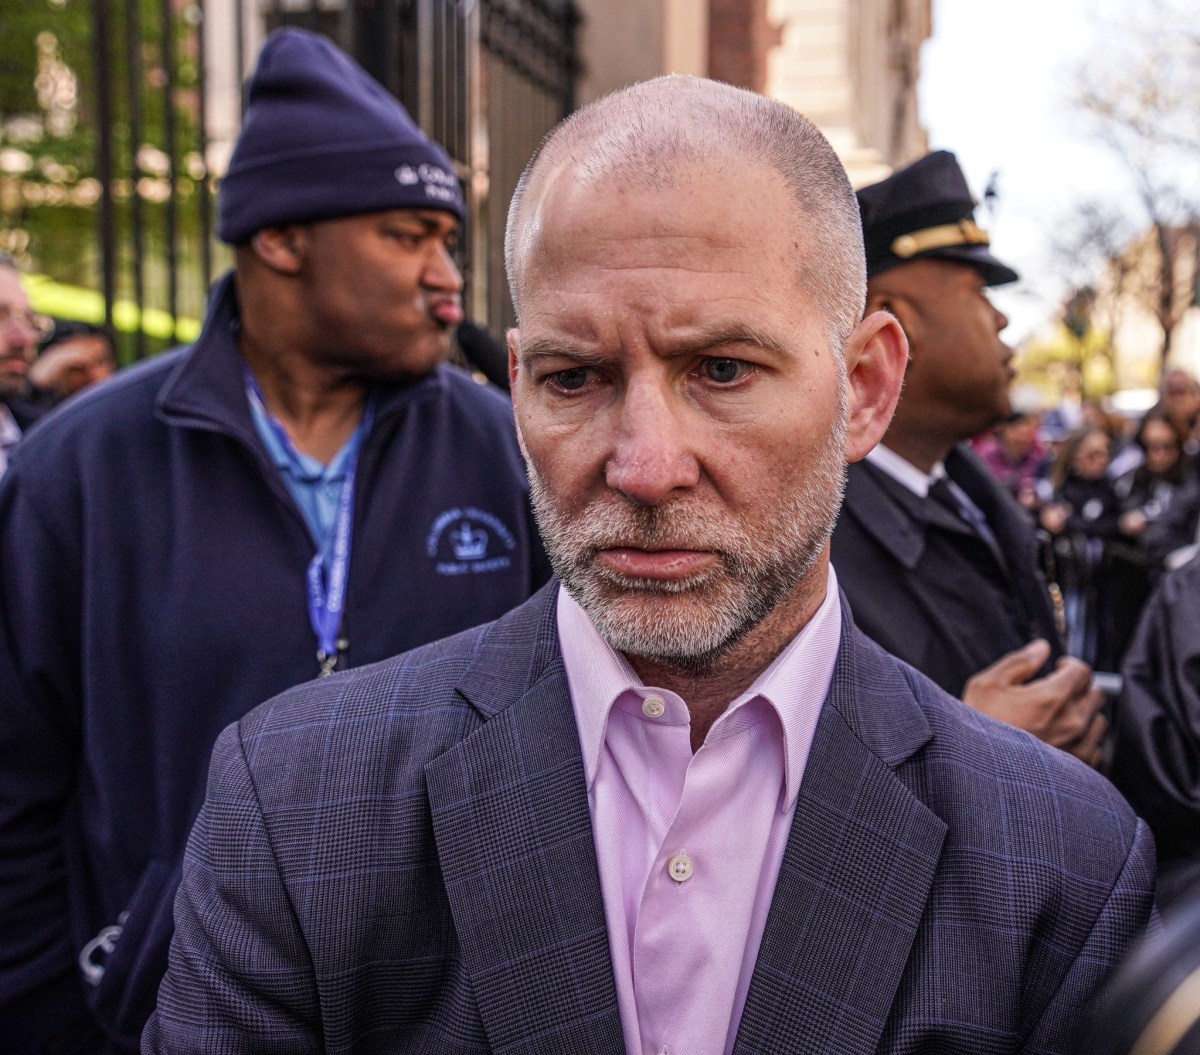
(307, 488)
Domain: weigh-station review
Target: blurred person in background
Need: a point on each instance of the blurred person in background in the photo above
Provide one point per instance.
(76, 356)
(1082, 517)
(305, 488)
(20, 330)
(1146, 494)
(939, 563)
(1017, 456)
(1148, 491)
(1179, 399)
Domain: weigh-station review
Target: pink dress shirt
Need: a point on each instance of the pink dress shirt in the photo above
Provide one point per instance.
(689, 846)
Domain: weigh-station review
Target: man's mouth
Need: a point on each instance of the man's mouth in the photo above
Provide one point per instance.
(663, 564)
(447, 312)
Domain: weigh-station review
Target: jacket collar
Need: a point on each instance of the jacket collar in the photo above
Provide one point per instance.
(513, 829)
(896, 517)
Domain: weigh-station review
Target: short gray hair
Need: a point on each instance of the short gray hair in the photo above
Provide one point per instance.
(649, 131)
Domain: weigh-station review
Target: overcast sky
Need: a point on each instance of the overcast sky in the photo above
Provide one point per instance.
(994, 85)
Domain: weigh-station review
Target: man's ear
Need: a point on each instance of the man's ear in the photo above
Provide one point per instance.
(282, 249)
(514, 350)
(513, 338)
(876, 357)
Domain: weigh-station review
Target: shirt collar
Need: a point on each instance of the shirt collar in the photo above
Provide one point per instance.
(10, 431)
(303, 468)
(10, 435)
(795, 684)
(904, 472)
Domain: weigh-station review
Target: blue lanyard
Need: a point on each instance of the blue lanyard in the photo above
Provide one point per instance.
(326, 579)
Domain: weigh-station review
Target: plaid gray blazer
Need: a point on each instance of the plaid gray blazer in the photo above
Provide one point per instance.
(400, 859)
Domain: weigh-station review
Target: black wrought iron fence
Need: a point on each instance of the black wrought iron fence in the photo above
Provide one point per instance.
(117, 118)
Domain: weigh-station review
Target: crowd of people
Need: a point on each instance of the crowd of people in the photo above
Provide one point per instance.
(1117, 503)
(350, 704)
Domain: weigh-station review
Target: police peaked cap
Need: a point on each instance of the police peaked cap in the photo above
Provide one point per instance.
(926, 210)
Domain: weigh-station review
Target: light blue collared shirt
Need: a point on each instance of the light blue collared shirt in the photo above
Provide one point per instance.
(315, 487)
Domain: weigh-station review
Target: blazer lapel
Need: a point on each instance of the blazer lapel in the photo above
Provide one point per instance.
(514, 838)
(856, 873)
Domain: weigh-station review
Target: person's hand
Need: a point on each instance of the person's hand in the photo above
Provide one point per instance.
(1132, 523)
(1061, 709)
(1054, 517)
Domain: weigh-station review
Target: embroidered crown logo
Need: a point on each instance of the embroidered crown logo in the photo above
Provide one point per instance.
(407, 175)
(468, 543)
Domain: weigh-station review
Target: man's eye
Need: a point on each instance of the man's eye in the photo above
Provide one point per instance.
(569, 380)
(725, 371)
(405, 238)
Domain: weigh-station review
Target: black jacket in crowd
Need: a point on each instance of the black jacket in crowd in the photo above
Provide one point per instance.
(1156, 757)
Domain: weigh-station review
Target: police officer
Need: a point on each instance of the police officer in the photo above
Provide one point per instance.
(939, 564)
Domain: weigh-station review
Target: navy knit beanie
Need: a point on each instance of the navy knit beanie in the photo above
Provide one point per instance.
(322, 139)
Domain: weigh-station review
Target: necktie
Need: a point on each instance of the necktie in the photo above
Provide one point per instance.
(941, 492)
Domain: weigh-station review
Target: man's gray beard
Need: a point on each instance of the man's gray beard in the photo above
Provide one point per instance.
(715, 608)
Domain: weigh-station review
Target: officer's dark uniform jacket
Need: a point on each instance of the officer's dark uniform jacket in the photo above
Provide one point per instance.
(924, 585)
(153, 568)
(1156, 751)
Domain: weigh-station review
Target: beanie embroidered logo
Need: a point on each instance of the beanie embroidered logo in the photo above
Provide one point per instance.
(438, 183)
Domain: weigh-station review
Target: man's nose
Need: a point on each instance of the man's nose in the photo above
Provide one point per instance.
(441, 271)
(653, 455)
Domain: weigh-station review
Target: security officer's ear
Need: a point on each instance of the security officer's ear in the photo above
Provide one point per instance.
(282, 249)
(885, 297)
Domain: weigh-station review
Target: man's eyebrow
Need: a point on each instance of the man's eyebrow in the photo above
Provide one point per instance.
(695, 343)
(720, 336)
(429, 224)
(547, 348)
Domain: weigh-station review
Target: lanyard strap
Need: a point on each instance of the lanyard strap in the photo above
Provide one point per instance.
(326, 578)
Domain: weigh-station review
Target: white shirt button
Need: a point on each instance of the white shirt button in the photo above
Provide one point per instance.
(653, 707)
(680, 868)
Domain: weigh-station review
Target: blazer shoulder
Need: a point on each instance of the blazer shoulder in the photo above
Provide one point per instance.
(410, 683)
(1000, 786)
(404, 710)
(970, 766)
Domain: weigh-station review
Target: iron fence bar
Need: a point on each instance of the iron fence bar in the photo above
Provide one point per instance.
(206, 254)
(240, 53)
(172, 207)
(570, 19)
(134, 87)
(528, 46)
(425, 53)
(104, 118)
